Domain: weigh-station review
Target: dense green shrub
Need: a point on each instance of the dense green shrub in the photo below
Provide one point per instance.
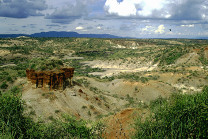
(21, 73)
(9, 79)
(12, 121)
(4, 85)
(68, 129)
(15, 90)
(181, 116)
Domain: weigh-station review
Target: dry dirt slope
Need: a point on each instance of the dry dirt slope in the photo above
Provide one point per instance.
(88, 104)
(120, 125)
(101, 98)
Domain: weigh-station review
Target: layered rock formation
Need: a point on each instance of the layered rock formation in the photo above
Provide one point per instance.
(54, 79)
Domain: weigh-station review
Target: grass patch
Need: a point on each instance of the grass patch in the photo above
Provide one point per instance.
(180, 116)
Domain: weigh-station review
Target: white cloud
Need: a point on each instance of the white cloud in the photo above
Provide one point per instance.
(79, 28)
(160, 29)
(148, 6)
(134, 7)
(124, 8)
(146, 28)
(167, 15)
(99, 27)
(204, 16)
(190, 26)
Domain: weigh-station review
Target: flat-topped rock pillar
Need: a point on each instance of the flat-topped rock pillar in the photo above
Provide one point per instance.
(55, 79)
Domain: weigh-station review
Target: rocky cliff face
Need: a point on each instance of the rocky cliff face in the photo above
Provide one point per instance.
(50, 79)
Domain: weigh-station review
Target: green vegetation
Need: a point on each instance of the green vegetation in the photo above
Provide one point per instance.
(12, 121)
(170, 55)
(45, 64)
(203, 59)
(4, 85)
(137, 77)
(81, 69)
(130, 100)
(83, 81)
(95, 90)
(180, 116)
(19, 49)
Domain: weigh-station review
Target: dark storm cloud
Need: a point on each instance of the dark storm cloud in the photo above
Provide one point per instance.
(12, 30)
(89, 28)
(100, 25)
(29, 25)
(69, 13)
(80, 24)
(180, 10)
(21, 8)
(63, 21)
(189, 10)
(125, 27)
(204, 25)
(53, 25)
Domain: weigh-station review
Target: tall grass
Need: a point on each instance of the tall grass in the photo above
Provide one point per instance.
(180, 116)
(12, 121)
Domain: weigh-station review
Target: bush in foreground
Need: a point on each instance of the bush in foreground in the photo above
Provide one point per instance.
(12, 122)
(181, 116)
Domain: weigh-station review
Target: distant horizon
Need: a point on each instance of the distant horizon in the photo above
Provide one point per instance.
(114, 36)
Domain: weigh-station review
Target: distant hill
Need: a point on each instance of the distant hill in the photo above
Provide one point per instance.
(11, 35)
(203, 38)
(60, 34)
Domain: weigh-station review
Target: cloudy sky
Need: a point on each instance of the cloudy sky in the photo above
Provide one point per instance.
(132, 18)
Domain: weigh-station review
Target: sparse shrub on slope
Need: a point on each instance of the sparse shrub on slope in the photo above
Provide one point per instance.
(19, 49)
(181, 116)
(203, 58)
(170, 55)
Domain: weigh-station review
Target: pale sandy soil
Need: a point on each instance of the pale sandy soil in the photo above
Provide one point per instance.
(8, 65)
(186, 88)
(71, 57)
(4, 52)
(115, 67)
